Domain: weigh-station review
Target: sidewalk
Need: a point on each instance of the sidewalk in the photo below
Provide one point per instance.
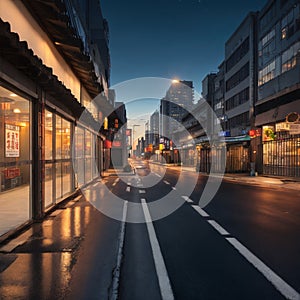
(261, 180)
(52, 259)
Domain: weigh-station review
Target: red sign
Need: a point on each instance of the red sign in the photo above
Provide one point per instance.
(116, 144)
(107, 144)
(254, 133)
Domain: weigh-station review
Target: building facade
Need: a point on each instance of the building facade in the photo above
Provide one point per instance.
(53, 64)
(278, 105)
(240, 93)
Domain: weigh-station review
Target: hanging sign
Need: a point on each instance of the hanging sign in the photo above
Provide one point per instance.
(12, 140)
(294, 128)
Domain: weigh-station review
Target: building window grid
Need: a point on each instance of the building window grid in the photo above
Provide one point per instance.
(240, 120)
(237, 55)
(289, 57)
(267, 73)
(237, 99)
(238, 77)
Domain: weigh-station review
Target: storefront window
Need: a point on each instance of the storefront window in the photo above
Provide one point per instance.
(79, 155)
(15, 160)
(58, 171)
(88, 156)
(49, 175)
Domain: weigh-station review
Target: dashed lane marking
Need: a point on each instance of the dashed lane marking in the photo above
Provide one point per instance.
(218, 227)
(128, 189)
(142, 191)
(200, 211)
(161, 270)
(166, 182)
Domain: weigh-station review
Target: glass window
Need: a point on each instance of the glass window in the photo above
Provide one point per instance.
(49, 175)
(88, 156)
(15, 160)
(289, 57)
(79, 155)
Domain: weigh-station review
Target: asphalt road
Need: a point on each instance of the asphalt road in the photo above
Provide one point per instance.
(243, 245)
(201, 262)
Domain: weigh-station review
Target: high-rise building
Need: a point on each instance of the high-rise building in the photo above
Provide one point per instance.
(154, 129)
(177, 102)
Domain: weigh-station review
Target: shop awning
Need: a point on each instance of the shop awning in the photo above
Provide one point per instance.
(237, 139)
(52, 16)
(22, 58)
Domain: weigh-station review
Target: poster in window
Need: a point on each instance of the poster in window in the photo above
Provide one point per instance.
(12, 140)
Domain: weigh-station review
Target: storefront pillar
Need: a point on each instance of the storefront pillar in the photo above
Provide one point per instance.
(38, 168)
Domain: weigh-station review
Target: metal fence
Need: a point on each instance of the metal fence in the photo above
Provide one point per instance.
(281, 157)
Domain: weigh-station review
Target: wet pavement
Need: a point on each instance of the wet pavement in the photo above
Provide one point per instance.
(48, 260)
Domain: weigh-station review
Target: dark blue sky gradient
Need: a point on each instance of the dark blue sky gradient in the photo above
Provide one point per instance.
(171, 38)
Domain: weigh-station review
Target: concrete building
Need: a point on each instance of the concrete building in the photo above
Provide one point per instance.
(277, 128)
(240, 92)
(54, 61)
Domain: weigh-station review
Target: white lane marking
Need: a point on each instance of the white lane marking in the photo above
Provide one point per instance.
(142, 191)
(173, 188)
(161, 270)
(187, 199)
(128, 189)
(166, 182)
(200, 211)
(114, 184)
(284, 288)
(117, 180)
(157, 175)
(129, 183)
(117, 270)
(218, 227)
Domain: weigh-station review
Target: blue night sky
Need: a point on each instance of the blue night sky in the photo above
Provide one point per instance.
(171, 38)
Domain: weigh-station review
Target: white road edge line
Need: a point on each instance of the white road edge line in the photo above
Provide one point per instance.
(284, 288)
(117, 270)
(218, 227)
(200, 211)
(161, 270)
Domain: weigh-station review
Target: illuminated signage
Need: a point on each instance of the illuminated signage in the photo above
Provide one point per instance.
(12, 140)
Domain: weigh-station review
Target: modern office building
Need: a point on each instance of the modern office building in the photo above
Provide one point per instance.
(54, 61)
(154, 129)
(177, 102)
(277, 121)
